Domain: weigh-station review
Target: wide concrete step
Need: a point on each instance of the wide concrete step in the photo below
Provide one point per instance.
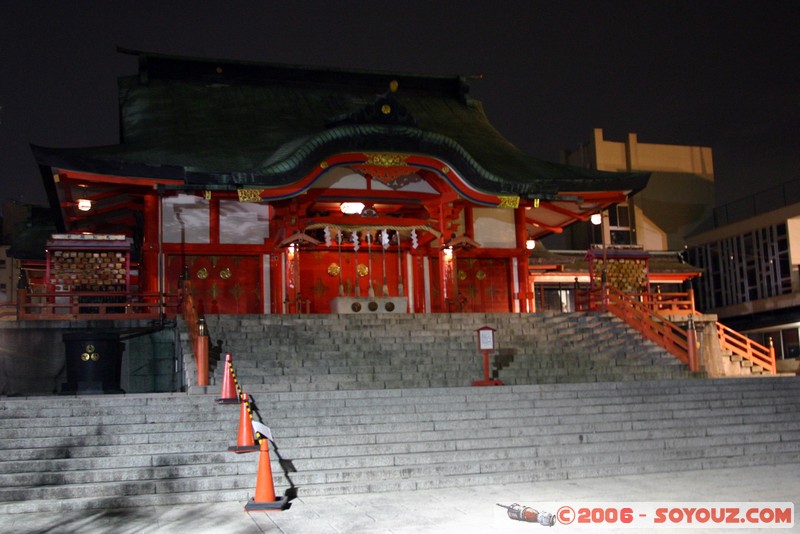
(351, 352)
(73, 452)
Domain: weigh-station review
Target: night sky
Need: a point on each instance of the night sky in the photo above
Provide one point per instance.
(711, 73)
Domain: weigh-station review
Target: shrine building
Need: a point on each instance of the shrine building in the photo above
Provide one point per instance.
(282, 189)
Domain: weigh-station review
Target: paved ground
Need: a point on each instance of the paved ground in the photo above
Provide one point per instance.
(461, 510)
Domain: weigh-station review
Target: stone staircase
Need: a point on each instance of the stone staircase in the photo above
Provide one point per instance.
(118, 451)
(378, 403)
(354, 352)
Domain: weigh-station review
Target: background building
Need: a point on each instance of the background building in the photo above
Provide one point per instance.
(750, 260)
(677, 200)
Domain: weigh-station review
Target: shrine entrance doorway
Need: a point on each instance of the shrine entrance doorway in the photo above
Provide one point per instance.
(483, 285)
(220, 284)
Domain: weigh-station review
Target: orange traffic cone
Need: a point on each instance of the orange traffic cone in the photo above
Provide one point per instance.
(245, 441)
(265, 500)
(230, 393)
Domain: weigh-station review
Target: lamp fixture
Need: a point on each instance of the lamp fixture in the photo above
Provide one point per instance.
(530, 244)
(351, 208)
(84, 204)
(596, 219)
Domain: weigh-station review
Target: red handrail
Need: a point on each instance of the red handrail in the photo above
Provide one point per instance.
(93, 305)
(677, 341)
(654, 327)
(748, 349)
(669, 304)
(643, 312)
(197, 335)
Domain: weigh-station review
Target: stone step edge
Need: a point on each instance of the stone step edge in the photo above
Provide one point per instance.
(659, 444)
(243, 494)
(717, 430)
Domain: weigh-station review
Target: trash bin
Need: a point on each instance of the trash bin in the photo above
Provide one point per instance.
(94, 363)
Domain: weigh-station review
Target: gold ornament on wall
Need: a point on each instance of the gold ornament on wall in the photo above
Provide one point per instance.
(334, 269)
(202, 274)
(249, 195)
(386, 160)
(362, 270)
(225, 273)
(508, 202)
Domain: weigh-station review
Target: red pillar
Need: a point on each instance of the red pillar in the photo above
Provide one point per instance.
(213, 219)
(469, 222)
(150, 245)
(521, 227)
(443, 289)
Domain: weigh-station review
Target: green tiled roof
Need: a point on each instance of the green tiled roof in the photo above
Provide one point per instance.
(232, 123)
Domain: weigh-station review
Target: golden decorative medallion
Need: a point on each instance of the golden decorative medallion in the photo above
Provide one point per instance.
(362, 270)
(249, 195)
(225, 273)
(202, 274)
(386, 109)
(462, 275)
(508, 202)
(445, 170)
(85, 356)
(387, 160)
(95, 356)
(323, 165)
(89, 348)
(334, 269)
(480, 275)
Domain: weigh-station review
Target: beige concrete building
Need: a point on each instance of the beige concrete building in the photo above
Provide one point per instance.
(678, 198)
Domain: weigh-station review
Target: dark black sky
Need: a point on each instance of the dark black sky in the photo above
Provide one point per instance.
(712, 73)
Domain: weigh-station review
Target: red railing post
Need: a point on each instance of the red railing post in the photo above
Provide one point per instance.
(773, 363)
(22, 302)
(201, 353)
(691, 346)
